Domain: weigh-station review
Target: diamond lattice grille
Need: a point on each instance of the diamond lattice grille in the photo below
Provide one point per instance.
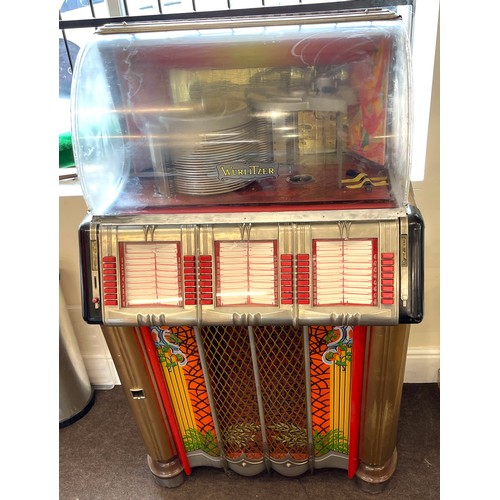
(280, 355)
(230, 371)
(280, 362)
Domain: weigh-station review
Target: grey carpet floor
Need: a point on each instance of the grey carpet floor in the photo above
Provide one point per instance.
(102, 457)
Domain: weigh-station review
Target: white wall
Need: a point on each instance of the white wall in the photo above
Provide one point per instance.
(424, 347)
(95, 353)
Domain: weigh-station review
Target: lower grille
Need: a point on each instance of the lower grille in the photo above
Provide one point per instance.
(262, 397)
(258, 384)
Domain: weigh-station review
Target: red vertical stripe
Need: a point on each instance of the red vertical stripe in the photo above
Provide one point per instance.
(358, 359)
(167, 404)
(374, 271)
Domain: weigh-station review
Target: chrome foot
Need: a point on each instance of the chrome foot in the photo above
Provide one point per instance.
(374, 479)
(167, 474)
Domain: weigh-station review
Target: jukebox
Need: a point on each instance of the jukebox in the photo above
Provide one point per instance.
(252, 249)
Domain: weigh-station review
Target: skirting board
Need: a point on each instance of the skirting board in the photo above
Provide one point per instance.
(422, 366)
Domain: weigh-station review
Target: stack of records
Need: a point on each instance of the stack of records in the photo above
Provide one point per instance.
(218, 133)
(198, 171)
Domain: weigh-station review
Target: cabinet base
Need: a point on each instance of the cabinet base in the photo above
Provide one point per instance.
(374, 478)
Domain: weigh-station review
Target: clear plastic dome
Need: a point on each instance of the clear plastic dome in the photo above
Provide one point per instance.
(278, 117)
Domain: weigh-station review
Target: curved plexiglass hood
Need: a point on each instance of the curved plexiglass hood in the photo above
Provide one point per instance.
(273, 116)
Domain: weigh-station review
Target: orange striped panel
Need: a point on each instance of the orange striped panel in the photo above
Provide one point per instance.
(179, 356)
(330, 355)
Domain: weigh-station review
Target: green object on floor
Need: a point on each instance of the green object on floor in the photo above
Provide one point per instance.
(66, 157)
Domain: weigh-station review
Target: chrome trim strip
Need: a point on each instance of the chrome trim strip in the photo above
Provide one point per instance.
(204, 368)
(371, 14)
(265, 445)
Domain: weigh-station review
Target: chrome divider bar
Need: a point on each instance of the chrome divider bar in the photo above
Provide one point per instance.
(204, 368)
(307, 376)
(265, 445)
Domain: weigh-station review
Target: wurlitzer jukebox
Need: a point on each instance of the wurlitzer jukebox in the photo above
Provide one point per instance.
(251, 249)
